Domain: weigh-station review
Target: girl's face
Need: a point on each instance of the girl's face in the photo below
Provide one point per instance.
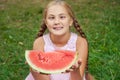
(58, 20)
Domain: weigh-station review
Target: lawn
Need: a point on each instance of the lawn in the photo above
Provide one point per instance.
(20, 21)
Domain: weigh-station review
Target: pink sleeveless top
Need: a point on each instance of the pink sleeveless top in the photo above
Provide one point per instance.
(49, 46)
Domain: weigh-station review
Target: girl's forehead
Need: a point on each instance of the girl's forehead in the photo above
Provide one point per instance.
(56, 9)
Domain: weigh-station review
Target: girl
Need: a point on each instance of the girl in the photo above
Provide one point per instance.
(58, 18)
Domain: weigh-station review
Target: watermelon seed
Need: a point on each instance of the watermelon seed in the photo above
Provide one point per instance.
(42, 59)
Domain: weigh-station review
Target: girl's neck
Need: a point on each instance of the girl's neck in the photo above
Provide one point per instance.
(60, 40)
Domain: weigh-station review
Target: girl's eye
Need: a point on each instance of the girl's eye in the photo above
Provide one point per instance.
(51, 17)
(62, 17)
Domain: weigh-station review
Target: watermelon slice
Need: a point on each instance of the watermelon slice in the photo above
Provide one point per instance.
(50, 62)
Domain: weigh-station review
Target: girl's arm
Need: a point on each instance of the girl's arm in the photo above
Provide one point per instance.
(39, 45)
(82, 48)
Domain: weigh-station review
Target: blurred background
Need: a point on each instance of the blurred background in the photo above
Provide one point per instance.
(20, 21)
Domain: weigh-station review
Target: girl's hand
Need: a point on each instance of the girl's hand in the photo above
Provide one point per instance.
(74, 67)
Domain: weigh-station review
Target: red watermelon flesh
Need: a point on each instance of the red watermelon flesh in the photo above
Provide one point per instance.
(50, 62)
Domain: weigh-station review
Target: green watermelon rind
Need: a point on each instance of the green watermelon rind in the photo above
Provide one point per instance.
(38, 69)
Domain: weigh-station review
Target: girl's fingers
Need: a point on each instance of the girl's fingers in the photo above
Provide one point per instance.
(77, 65)
(79, 62)
(68, 70)
(73, 67)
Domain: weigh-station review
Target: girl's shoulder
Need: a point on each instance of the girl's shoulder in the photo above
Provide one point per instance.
(38, 44)
(81, 41)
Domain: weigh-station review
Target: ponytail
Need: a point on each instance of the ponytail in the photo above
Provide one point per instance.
(42, 30)
(78, 28)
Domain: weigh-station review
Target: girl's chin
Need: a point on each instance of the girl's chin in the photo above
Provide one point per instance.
(57, 33)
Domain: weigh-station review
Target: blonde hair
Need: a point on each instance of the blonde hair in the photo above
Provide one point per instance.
(58, 2)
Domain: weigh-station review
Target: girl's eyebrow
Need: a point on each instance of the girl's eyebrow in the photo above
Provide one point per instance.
(62, 14)
(50, 15)
(59, 14)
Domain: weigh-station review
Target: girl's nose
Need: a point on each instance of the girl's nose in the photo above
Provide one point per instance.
(57, 21)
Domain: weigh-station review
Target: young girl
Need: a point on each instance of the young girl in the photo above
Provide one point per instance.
(58, 18)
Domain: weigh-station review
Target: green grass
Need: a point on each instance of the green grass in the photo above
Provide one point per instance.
(20, 21)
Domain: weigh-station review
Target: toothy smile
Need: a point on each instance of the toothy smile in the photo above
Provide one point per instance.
(57, 28)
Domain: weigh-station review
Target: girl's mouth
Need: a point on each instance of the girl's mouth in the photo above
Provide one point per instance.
(57, 28)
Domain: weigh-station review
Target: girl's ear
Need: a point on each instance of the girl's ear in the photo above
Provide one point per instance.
(71, 22)
(45, 22)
